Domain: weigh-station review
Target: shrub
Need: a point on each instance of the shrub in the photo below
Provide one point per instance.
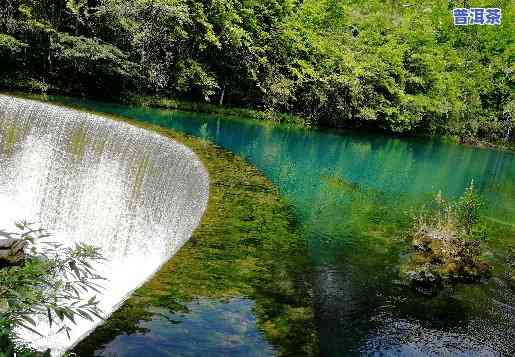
(468, 209)
(49, 284)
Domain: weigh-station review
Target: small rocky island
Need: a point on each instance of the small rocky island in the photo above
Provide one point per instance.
(440, 258)
(446, 245)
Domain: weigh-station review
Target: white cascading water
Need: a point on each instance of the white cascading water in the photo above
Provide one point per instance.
(136, 195)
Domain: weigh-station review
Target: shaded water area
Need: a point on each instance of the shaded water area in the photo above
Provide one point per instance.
(134, 194)
(351, 194)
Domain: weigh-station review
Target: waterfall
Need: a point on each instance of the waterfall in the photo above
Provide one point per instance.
(133, 193)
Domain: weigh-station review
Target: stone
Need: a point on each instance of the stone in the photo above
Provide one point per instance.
(439, 257)
(12, 251)
(423, 279)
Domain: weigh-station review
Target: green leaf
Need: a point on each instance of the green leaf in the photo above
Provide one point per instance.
(28, 319)
(21, 324)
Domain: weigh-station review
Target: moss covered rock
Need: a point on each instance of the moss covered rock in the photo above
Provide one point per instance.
(440, 257)
(12, 251)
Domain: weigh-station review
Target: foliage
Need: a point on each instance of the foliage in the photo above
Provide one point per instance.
(399, 67)
(468, 209)
(49, 285)
(10, 44)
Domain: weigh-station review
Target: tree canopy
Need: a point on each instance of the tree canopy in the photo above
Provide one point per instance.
(399, 66)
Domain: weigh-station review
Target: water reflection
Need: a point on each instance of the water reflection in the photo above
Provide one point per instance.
(203, 327)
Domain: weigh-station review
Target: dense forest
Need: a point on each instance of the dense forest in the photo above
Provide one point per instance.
(399, 66)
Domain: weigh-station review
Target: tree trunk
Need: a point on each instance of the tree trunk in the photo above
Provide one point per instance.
(222, 94)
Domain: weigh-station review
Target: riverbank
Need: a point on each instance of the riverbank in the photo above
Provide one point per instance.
(246, 247)
(298, 121)
(207, 108)
(301, 122)
(290, 119)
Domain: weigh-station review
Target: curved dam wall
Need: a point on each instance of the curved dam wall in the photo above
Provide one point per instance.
(136, 195)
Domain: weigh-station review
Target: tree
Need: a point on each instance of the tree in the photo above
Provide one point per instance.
(361, 64)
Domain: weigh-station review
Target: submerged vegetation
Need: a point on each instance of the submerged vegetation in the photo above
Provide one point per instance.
(48, 283)
(401, 67)
(446, 239)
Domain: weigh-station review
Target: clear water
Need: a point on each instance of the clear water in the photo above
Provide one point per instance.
(207, 327)
(351, 193)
